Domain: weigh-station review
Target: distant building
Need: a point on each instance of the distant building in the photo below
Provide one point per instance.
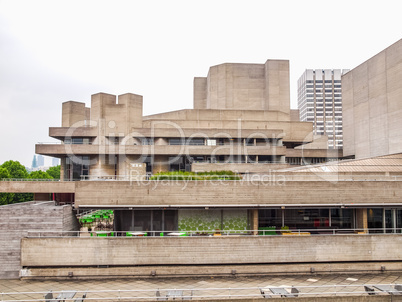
(55, 161)
(320, 102)
(40, 161)
(34, 163)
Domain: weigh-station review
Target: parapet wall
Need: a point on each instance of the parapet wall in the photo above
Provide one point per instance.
(18, 219)
(222, 250)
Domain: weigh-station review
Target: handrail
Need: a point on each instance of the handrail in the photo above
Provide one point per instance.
(221, 233)
(63, 143)
(215, 293)
(29, 179)
(252, 177)
(244, 177)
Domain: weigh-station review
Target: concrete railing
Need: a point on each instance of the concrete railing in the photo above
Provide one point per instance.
(216, 233)
(28, 179)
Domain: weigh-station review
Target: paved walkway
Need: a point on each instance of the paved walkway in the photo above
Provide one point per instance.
(212, 287)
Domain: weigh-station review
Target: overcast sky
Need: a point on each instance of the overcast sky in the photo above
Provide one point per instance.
(55, 51)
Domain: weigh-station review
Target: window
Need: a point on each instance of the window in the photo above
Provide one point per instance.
(198, 142)
(77, 141)
(76, 167)
(189, 141)
(176, 141)
(147, 141)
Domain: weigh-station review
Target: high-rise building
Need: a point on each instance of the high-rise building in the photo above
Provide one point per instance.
(34, 162)
(41, 161)
(320, 102)
(55, 161)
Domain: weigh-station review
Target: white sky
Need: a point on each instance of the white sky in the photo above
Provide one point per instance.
(55, 51)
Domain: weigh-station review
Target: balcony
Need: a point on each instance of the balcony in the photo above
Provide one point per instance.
(59, 150)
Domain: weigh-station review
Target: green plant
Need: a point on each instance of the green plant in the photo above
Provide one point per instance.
(285, 229)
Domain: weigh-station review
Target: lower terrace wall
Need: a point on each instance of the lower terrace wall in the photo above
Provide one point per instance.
(131, 251)
(17, 219)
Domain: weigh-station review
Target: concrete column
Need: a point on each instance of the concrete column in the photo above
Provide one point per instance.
(394, 220)
(361, 219)
(160, 164)
(62, 166)
(254, 221)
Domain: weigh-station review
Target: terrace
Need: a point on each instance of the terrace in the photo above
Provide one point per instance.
(310, 287)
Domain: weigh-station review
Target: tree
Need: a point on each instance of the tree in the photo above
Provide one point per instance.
(54, 172)
(5, 198)
(15, 169)
(4, 173)
(39, 175)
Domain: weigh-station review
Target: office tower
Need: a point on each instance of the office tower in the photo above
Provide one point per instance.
(55, 161)
(40, 161)
(34, 162)
(320, 102)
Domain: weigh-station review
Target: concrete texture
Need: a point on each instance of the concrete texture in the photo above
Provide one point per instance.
(236, 102)
(211, 289)
(212, 271)
(18, 219)
(372, 110)
(121, 251)
(245, 86)
(274, 190)
(38, 186)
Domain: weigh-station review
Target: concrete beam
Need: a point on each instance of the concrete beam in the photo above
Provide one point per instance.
(37, 187)
(273, 190)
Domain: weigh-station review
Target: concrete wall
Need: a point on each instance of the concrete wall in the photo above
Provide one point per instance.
(171, 150)
(245, 86)
(200, 93)
(273, 190)
(17, 219)
(87, 251)
(220, 115)
(239, 168)
(372, 106)
(37, 186)
(74, 113)
(277, 85)
(116, 119)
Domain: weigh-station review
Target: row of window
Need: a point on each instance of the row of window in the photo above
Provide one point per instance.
(320, 81)
(320, 91)
(209, 142)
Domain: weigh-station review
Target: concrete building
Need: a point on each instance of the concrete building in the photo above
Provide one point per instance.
(372, 105)
(55, 162)
(107, 149)
(34, 163)
(40, 160)
(242, 122)
(320, 102)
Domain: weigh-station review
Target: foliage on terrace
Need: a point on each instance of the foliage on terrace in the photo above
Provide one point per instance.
(211, 175)
(15, 170)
